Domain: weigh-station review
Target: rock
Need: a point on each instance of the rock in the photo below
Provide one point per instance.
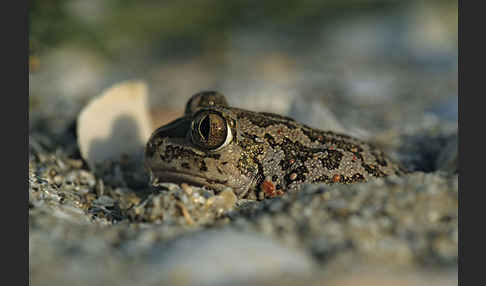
(225, 256)
(223, 201)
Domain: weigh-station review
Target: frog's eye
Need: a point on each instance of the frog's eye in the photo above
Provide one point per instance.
(210, 131)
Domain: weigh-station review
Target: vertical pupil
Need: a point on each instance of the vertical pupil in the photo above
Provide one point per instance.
(204, 128)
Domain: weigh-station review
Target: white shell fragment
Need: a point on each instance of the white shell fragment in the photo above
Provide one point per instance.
(114, 123)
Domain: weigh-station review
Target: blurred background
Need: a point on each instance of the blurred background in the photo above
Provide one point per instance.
(364, 67)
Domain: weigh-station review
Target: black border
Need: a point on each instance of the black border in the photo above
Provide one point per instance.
(15, 119)
(461, 169)
(467, 147)
(24, 129)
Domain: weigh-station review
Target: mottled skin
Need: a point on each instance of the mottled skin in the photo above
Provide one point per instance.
(258, 154)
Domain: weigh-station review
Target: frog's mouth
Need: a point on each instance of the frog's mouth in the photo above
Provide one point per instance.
(172, 176)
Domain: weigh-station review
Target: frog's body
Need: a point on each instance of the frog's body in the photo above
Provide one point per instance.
(257, 154)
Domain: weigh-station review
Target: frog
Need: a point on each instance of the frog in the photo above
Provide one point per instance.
(258, 155)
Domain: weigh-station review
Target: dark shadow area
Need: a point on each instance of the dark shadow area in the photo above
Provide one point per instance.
(121, 155)
(420, 152)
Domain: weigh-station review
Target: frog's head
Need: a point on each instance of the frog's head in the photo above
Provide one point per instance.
(202, 148)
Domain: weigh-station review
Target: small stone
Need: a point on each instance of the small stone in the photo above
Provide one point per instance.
(293, 176)
(58, 179)
(83, 190)
(229, 197)
(336, 178)
(87, 177)
(100, 188)
(268, 188)
(76, 164)
(105, 201)
(222, 202)
(185, 213)
(186, 188)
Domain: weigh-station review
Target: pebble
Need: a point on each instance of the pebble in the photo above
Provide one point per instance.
(224, 201)
(104, 201)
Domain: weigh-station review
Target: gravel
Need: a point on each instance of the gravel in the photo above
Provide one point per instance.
(87, 228)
